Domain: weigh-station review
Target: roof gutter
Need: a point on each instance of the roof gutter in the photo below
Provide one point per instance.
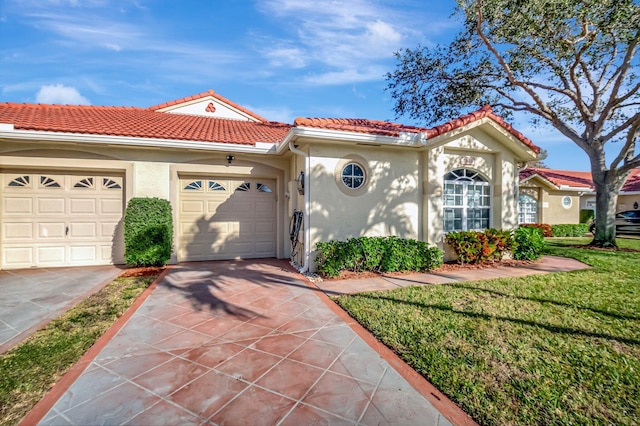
(7, 131)
(406, 139)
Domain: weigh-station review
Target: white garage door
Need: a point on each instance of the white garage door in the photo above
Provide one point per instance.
(222, 218)
(59, 220)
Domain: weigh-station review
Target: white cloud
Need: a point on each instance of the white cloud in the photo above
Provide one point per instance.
(281, 114)
(60, 94)
(349, 40)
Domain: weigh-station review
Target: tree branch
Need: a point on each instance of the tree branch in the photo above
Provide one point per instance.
(510, 76)
(629, 146)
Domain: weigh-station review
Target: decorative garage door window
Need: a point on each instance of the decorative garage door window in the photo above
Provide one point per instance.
(246, 186)
(467, 201)
(263, 187)
(23, 181)
(527, 209)
(47, 182)
(353, 175)
(196, 185)
(84, 183)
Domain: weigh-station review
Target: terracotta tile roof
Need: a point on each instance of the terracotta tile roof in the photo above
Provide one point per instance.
(385, 128)
(561, 178)
(575, 179)
(138, 123)
(210, 92)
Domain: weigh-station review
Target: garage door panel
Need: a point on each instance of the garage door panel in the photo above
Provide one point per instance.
(18, 257)
(80, 206)
(111, 206)
(51, 230)
(17, 205)
(83, 230)
(17, 230)
(108, 229)
(50, 206)
(267, 207)
(83, 254)
(192, 207)
(50, 255)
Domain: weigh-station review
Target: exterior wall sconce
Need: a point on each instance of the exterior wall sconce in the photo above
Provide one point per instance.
(300, 183)
(230, 158)
(635, 205)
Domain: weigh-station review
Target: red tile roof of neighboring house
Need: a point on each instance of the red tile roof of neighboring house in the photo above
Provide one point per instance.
(139, 123)
(208, 93)
(573, 179)
(561, 178)
(385, 128)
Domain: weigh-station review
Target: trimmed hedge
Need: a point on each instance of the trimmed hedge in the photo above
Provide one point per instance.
(560, 230)
(376, 254)
(148, 232)
(528, 244)
(545, 228)
(478, 247)
(570, 230)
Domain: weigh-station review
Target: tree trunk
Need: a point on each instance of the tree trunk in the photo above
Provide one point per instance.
(606, 205)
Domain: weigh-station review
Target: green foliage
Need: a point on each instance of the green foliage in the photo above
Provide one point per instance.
(570, 230)
(148, 232)
(546, 229)
(479, 247)
(529, 243)
(377, 254)
(587, 215)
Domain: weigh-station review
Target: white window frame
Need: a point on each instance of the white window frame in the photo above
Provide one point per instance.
(461, 204)
(527, 209)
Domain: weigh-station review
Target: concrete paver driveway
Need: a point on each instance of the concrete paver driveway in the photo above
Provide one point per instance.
(32, 297)
(239, 343)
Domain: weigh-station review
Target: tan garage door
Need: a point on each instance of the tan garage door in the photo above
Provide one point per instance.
(59, 220)
(222, 218)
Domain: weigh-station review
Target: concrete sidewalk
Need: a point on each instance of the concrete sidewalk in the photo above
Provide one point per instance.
(546, 265)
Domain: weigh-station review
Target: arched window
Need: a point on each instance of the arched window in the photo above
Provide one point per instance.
(527, 209)
(467, 201)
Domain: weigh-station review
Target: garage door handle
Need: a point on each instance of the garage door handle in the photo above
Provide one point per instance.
(66, 230)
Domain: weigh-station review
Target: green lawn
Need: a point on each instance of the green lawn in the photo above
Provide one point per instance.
(559, 348)
(28, 371)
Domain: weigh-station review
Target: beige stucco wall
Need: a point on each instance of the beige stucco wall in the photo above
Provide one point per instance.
(388, 205)
(150, 172)
(550, 208)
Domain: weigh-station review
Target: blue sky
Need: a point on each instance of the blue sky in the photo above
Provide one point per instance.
(280, 58)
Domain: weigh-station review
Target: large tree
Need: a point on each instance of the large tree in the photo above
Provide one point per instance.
(566, 63)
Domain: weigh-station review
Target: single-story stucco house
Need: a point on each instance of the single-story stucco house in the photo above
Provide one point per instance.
(234, 179)
(557, 196)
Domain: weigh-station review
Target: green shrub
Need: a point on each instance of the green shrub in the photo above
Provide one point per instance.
(587, 215)
(545, 228)
(570, 230)
(376, 254)
(529, 243)
(479, 247)
(148, 232)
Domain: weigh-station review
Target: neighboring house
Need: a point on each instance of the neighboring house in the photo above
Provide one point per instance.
(557, 196)
(234, 179)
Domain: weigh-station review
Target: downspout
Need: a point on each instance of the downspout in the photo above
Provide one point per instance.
(307, 231)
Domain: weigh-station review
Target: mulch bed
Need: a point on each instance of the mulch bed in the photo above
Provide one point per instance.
(142, 271)
(446, 267)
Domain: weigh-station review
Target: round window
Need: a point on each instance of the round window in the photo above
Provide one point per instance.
(353, 176)
(566, 201)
